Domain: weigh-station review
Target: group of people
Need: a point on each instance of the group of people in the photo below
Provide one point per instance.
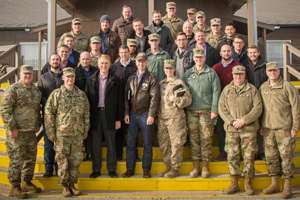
(129, 82)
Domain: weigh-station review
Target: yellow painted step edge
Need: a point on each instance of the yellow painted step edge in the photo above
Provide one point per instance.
(152, 184)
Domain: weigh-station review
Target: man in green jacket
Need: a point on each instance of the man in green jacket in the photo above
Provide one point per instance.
(240, 107)
(280, 124)
(205, 88)
(156, 56)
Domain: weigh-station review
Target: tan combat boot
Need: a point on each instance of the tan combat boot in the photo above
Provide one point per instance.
(162, 174)
(287, 190)
(247, 184)
(74, 190)
(30, 187)
(196, 170)
(205, 169)
(66, 191)
(15, 191)
(234, 186)
(274, 187)
(172, 173)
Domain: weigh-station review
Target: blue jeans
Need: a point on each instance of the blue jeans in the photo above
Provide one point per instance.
(139, 121)
(49, 153)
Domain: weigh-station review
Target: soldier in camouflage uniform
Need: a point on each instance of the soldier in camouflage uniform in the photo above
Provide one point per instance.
(202, 114)
(280, 124)
(20, 112)
(191, 13)
(81, 41)
(67, 120)
(240, 107)
(216, 36)
(170, 20)
(172, 130)
(95, 50)
(200, 18)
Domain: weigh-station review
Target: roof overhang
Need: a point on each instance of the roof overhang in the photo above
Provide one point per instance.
(241, 26)
(236, 4)
(67, 5)
(62, 26)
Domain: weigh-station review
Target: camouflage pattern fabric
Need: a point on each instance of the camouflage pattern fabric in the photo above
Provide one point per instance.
(3, 67)
(20, 107)
(215, 40)
(21, 152)
(201, 129)
(94, 60)
(175, 25)
(172, 130)
(67, 121)
(172, 135)
(206, 29)
(244, 143)
(81, 41)
(69, 155)
(279, 144)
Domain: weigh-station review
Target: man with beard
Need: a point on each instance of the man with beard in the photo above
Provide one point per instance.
(224, 71)
(48, 82)
(230, 33)
(110, 40)
(158, 26)
(187, 28)
(64, 52)
(140, 35)
(256, 74)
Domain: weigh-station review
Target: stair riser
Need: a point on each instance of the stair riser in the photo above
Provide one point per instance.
(153, 184)
(157, 167)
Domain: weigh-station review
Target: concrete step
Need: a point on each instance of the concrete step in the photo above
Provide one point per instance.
(138, 183)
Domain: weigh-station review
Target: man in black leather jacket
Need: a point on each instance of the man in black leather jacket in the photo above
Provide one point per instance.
(48, 82)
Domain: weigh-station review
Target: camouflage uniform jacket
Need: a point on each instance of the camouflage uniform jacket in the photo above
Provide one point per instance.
(215, 40)
(206, 29)
(175, 25)
(193, 23)
(67, 113)
(94, 59)
(167, 109)
(81, 41)
(21, 108)
(240, 103)
(281, 106)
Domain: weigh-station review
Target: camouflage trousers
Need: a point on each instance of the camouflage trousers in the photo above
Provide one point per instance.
(200, 133)
(244, 143)
(69, 155)
(21, 152)
(279, 145)
(172, 135)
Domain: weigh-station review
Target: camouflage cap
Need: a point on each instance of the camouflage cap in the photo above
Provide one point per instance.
(215, 21)
(272, 66)
(142, 56)
(238, 69)
(153, 36)
(171, 5)
(191, 11)
(26, 69)
(76, 21)
(131, 42)
(198, 52)
(169, 63)
(95, 39)
(68, 71)
(200, 14)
